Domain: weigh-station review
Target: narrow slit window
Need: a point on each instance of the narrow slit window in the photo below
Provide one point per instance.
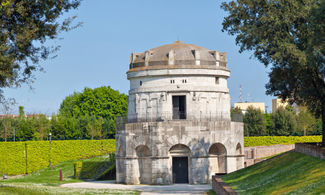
(140, 83)
(217, 80)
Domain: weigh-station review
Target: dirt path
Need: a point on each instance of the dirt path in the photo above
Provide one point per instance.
(144, 189)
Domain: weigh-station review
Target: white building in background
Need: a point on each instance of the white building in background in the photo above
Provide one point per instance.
(178, 128)
(244, 105)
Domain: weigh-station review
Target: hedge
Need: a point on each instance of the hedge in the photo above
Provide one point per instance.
(12, 158)
(273, 140)
(27, 157)
(94, 169)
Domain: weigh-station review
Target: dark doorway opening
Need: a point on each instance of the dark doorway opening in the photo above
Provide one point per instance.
(179, 107)
(180, 169)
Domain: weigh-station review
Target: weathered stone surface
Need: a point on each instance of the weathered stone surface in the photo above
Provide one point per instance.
(311, 149)
(154, 136)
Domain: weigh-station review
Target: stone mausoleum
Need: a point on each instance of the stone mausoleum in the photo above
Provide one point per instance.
(178, 128)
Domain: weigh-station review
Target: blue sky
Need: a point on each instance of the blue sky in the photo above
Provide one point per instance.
(98, 53)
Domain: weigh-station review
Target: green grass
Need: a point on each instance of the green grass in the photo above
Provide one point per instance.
(50, 190)
(289, 173)
(211, 192)
(46, 181)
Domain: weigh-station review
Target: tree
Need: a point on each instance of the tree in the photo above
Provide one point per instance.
(21, 112)
(95, 126)
(43, 126)
(267, 117)
(26, 25)
(254, 122)
(26, 130)
(6, 128)
(109, 128)
(306, 122)
(289, 35)
(283, 122)
(58, 128)
(101, 102)
(236, 114)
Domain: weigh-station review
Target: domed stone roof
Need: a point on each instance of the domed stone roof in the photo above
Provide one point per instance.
(178, 54)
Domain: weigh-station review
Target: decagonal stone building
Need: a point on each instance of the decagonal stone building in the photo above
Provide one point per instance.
(178, 128)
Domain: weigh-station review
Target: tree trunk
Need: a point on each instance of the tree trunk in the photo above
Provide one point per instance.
(323, 124)
(304, 130)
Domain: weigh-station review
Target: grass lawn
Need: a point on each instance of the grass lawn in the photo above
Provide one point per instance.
(46, 181)
(289, 173)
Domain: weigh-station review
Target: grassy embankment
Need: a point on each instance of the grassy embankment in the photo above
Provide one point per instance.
(46, 181)
(289, 173)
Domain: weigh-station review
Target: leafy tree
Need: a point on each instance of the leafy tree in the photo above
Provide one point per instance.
(101, 102)
(82, 123)
(21, 112)
(95, 126)
(43, 126)
(267, 117)
(236, 113)
(254, 122)
(318, 127)
(58, 129)
(6, 128)
(283, 122)
(289, 35)
(109, 128)
(25, 27)
(306, 122)
(26, 130)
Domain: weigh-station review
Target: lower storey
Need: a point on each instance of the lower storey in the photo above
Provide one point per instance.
(176, 168)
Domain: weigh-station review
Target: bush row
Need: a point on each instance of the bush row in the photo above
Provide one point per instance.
(27, 157)
(273, 140)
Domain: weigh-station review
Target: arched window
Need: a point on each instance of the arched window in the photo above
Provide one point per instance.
(144, 163)
(218, 158)
(217, 149)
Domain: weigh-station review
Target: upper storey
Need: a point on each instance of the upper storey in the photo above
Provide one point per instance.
(178, 55)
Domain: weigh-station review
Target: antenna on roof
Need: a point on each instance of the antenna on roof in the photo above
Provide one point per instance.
(240, 94)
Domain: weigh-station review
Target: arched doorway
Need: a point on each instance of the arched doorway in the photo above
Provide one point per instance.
(144, 163)
(239, 158)
(180, 163)
(218, 158)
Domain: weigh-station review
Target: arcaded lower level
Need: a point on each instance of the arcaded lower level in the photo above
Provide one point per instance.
(177, 151)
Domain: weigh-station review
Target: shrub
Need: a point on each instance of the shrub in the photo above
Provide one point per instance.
(273, 140)
(12, 158)
(27, 157)
(99, 169)
(77, 169)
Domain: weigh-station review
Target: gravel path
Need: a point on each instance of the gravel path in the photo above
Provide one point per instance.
(144, 189)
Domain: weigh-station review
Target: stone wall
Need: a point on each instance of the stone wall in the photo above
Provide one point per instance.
(211, 147)
(255, 154)
(265, 151)
(221, 188)
(311, 150)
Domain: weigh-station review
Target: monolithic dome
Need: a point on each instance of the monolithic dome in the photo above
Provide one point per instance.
(178, 128)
